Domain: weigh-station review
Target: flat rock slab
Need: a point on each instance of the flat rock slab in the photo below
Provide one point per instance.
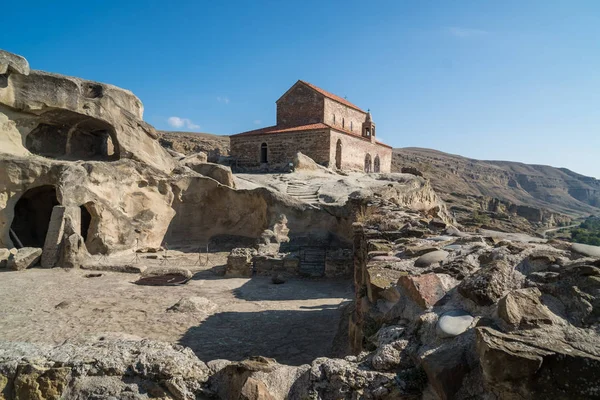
(156, 271)
(453, 247)
(125, 268)
(453, 323)
(24, 258)
(586, 249)
(431, 258)
(163, 280)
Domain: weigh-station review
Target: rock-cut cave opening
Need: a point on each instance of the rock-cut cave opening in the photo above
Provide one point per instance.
(70, 136)
(32, 215)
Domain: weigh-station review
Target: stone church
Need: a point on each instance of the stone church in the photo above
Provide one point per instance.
(327, 128)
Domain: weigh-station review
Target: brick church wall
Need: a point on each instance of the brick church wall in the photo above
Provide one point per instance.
(354, 150)
(281, 147)
(346, 118)
(301, 106)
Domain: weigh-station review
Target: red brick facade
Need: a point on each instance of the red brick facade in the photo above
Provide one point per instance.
(325, 127)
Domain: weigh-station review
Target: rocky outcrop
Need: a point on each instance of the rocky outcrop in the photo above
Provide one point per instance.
(83, 120)
(110, 368)
(491, 319)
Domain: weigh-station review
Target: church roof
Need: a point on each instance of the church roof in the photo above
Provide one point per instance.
(331, 96)
(323, 93)
(280, 129)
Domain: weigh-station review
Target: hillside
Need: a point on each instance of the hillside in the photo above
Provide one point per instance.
(189, 142)
(556, 189)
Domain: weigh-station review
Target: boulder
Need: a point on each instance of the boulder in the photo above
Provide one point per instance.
(446, 368)
(74, 253)
(430, 258)
(239, 263)
(194, 159)
(586, 249)
(540, 364)
(390, 356)
(193, 304)
(4, 254)
(305, 163)
(25, 257)
(453, 323)
(10, 62)
(486, 286)
(523, 309)
(219, 173)
(258, 378)
(424, 290)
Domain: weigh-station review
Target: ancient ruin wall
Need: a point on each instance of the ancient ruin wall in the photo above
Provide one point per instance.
(346, 118)
(300, 106)
(281, 147)
(355, 149)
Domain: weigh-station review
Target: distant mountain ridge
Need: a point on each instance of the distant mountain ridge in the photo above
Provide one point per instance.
(557, 189)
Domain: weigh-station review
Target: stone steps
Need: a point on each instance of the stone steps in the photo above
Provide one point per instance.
(303, 192)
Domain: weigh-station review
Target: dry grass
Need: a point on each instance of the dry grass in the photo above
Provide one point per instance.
(369, 215)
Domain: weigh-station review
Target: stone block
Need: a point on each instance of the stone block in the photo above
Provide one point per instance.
(424, 290)
(24, 258)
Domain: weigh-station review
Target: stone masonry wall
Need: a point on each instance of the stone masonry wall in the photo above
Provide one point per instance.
(354, 150)
(301, 106)
(345, 117)
(281, 147)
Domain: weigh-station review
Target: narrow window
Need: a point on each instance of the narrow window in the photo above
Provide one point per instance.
(351, 126)
(263, 153)
(343, 122)
(334, 119)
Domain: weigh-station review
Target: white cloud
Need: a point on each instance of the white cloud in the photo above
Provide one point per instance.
(257, 121)
(466, 32)
(223, 99)
(177, 122)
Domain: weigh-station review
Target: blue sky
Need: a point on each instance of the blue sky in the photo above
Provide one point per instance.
(506, 80)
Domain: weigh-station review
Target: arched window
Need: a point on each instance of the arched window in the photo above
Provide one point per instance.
(368, 163)
(264, 153)
(367, 132)
(377, 164)
(343, 122)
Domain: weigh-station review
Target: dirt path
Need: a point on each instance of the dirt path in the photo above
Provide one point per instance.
(294, 322)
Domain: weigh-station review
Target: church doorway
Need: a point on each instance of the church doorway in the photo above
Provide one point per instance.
(377, 165)
(338, 154)
(264, 153)
(32, 216)
(368, 163)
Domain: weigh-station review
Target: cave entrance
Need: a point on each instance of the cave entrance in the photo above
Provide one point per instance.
(70, 136)
(86, 220)
(32, 215)
(90, 225)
